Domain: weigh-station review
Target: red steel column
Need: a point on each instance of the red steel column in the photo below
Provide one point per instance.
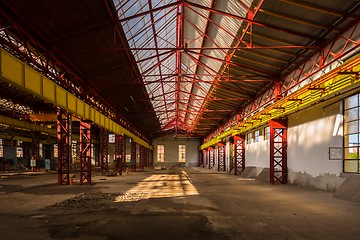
(63, 136)
(204, 162)
(119, 154)
(221, 157)
(211, 157)
(278, 151)
(124, 166)
(239, 154)
(104, 151)
(142, 157)
(35, 151)
(133, 156)
(85, 152)
(151, 158)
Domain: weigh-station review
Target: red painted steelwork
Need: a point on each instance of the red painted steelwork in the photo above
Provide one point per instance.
(278, 151)
(211, 157)
(221, 157)
(36, 151)
(63, 135)
(85, 152)
(239, 154)
(133, 156)
(119, 154)
(104, 151)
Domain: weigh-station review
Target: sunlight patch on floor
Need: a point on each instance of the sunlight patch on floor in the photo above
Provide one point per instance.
(160, 186)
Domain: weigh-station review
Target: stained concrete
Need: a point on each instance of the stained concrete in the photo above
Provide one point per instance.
(171, 204)
(327, 182)
(249, 172)
(350, 189)
(264, 175)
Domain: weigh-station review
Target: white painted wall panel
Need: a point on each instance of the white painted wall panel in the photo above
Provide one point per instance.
(310, 134)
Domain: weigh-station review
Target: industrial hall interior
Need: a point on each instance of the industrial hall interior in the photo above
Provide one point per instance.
(179, 119)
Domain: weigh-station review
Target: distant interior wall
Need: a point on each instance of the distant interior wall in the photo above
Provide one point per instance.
(171, 150)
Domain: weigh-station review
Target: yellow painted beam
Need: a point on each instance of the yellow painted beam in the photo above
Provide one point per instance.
(327, 85)
(27, 79)
(25, 125)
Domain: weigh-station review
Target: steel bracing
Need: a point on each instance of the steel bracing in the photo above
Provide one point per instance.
(211, 157)
(104, 151)
(239, 154)
(221, 157)
(119, 154)
(278, 151)
(205, 157)
(133, 156)
(85, 152)
(36, 150)
(63, 144)
(141, 157)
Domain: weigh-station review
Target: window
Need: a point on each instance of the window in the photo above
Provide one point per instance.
(1, 148)
(351, 134)
(257, 136)
(160, 153)
(182, 153)
(19, 152)
(266, 133)
(56, 151)
(249, 138)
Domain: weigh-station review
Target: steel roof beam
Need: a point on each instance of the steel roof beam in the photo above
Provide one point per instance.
(279, 29)
(317, 8)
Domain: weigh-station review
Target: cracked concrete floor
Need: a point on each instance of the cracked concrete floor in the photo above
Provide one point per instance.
(190, 203)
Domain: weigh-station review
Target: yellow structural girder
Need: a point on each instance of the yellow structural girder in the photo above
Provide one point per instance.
(27, 79)
(325, 86)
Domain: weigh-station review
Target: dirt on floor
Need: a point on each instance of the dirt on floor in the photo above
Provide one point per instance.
(189, 203)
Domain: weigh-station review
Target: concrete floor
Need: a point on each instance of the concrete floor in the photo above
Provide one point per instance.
(182, 204)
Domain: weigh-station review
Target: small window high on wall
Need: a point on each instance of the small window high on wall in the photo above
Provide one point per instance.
(182, 153)
(351, 134)
(160, 153)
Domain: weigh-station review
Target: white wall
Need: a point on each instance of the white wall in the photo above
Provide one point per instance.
(171, 146)
(310, 134)
(257, 154)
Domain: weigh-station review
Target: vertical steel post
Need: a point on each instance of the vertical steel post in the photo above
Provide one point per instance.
(85, 152)
(35, 151)
(239, 154)
(119, 154)
(278, 151)
(104, 151)
(221, 157)
(204, 155)
(133, 156)
(141, 157)
(211, 157)
(63, 140)
(151, 158)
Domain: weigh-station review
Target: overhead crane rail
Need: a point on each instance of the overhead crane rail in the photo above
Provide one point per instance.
(341, 78)
(27, 79)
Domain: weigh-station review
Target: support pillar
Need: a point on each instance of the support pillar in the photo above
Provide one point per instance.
(133, 156)
(85, 152)
(141, 157)
(204, 155)
(151, 160)
(239, 154)
(211, 157)
(104, 151)
(278, 151)
(221, 157)
(35, 157)
(63, 141)
(119, 154)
